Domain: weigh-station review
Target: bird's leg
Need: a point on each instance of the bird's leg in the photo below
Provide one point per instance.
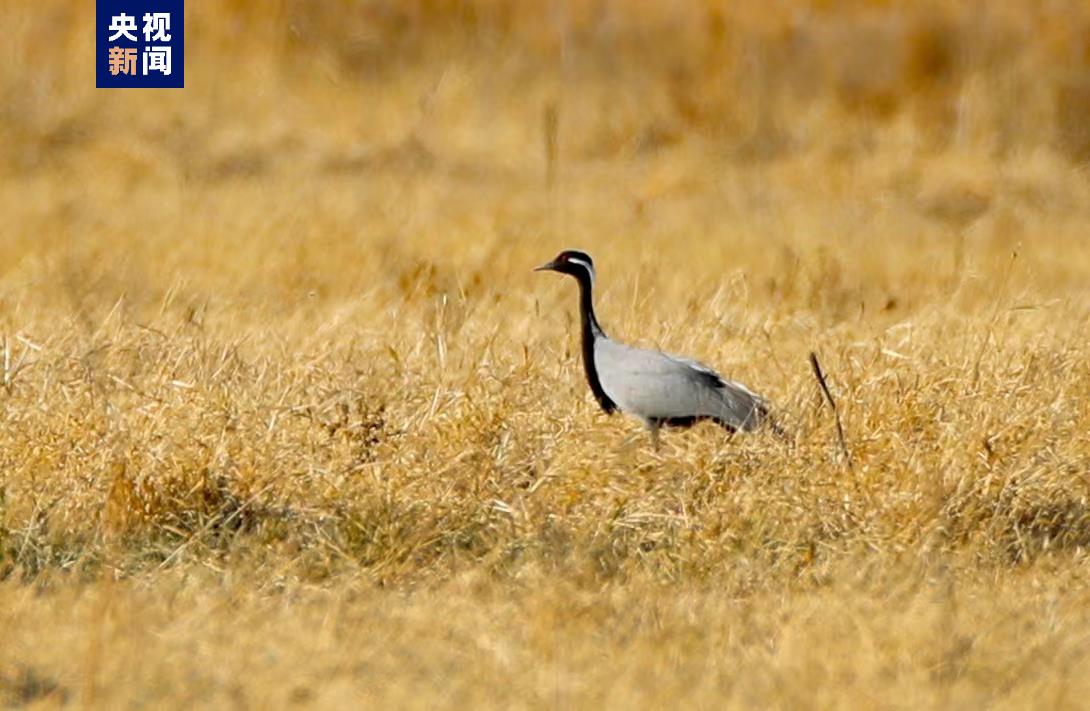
(653, 428)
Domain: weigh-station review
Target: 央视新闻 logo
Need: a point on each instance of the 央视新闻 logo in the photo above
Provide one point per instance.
(140, 44)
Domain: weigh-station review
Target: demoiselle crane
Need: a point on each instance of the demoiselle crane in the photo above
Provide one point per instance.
(658, 388)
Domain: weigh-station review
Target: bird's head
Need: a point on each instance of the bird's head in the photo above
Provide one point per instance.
(573, 262)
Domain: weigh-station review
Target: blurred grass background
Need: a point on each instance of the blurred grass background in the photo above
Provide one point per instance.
(629, 78)
(288, 420)
(943, 121)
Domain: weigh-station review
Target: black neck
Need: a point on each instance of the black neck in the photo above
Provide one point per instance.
(591, 332)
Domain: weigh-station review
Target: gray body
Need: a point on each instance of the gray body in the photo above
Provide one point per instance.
(661, 389)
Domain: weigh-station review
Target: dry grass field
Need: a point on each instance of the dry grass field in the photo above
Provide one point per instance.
(287, 420)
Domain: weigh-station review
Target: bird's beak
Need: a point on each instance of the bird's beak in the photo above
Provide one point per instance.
(550, 267)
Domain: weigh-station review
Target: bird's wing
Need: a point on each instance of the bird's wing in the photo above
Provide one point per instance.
(655, 385)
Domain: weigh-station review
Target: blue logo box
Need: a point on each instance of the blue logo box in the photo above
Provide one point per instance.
(139, 44)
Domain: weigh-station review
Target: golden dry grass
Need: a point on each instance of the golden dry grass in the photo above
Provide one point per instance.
(287, 419)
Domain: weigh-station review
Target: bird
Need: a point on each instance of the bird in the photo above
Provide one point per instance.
(658, 388)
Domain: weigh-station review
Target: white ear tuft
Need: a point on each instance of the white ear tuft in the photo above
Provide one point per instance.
(585, 264)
